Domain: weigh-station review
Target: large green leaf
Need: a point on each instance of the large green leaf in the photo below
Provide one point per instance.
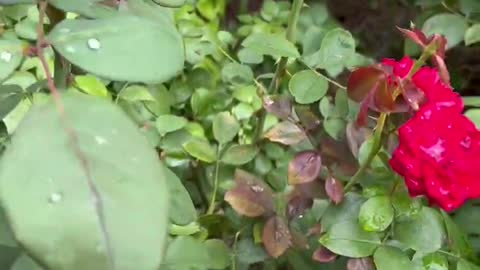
(182, 211)
(390, 258)
(101, 203)
(307, 87)
(88, 8)
(11, 55)
(24, 262)
(452, 26)
(424, 232)
(271, 44)
(149, 52)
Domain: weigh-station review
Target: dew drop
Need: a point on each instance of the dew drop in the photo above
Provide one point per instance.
(55, 197)
(435, 151)
(6, 56)
(94, 44)
(427, 114)
(466, 142)
(256, 188)
(70, 49)
(100, 140)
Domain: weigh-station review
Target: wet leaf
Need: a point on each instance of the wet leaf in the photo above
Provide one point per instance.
(376, 214)
(334, 189)
(276, 236)
(305, 167)
(286, 133)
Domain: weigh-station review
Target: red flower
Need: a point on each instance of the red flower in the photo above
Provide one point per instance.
(400, 69)
(439, 148)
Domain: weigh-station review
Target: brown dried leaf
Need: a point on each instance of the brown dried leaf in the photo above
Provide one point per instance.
(323, 255)
(276, 236)
(251, 197)
(297, 206)
(356, 136)
(334, 190)
(363, 81)
(304, 167)
(280, 106)
(308, 119)
(286, 133)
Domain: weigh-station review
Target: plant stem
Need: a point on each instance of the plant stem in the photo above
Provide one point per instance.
(211, 208)
(280, 71)
(376, 145)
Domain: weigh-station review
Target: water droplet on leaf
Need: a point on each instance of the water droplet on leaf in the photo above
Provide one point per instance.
(55, 197)
(94, 44)
(257, 188)
(6, 56)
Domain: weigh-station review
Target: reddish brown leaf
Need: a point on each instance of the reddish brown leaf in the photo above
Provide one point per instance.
(383, 98)
(313, 190)
(356, 136)
(334, 190)
(308, 119)
(251, 197)
(363, 81)
(276, 236)
(286, 133)
(315, 230)
(280, 106)
(297, 206)
(360, 264)
(415, 35)
(304, 167)
(323, 255)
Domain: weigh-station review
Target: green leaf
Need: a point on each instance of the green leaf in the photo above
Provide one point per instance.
(423, 232)
(474, 115)
(25, 263)
(6, 234)
(271, 44)
(307, 87)
(170, 3)
(469, 7)
(465, 265)
(182, 211)
(88, 8)
(220, 257)
(136, 93)
(200, 149)
(26, 29)
(168, 123)
(249, 253)
(87, 191)
(91, 85)
(457, 239)
(335, 127)
(237, 73)
(239, 154)
(10, 97)
(348, 239)
(249, 56)
(376, 214)
(337, 47)
(452, 26)
(11, 55)
(347, 210)
(472, 35)
(391, 258)
(435, 261)
(225, 127)
(150, 54)
(185, 253)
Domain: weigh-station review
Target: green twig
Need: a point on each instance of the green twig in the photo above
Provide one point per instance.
(325, 77)
(280, 71)
(211, 208)
(376, 145)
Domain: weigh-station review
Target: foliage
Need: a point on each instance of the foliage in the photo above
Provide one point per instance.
(171, 134)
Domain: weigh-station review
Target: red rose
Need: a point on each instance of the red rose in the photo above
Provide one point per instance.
(399, 69)
(439, 148)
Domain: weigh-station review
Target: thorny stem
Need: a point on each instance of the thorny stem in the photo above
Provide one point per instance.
(72, 136)
(211, 208)
(280, 71)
